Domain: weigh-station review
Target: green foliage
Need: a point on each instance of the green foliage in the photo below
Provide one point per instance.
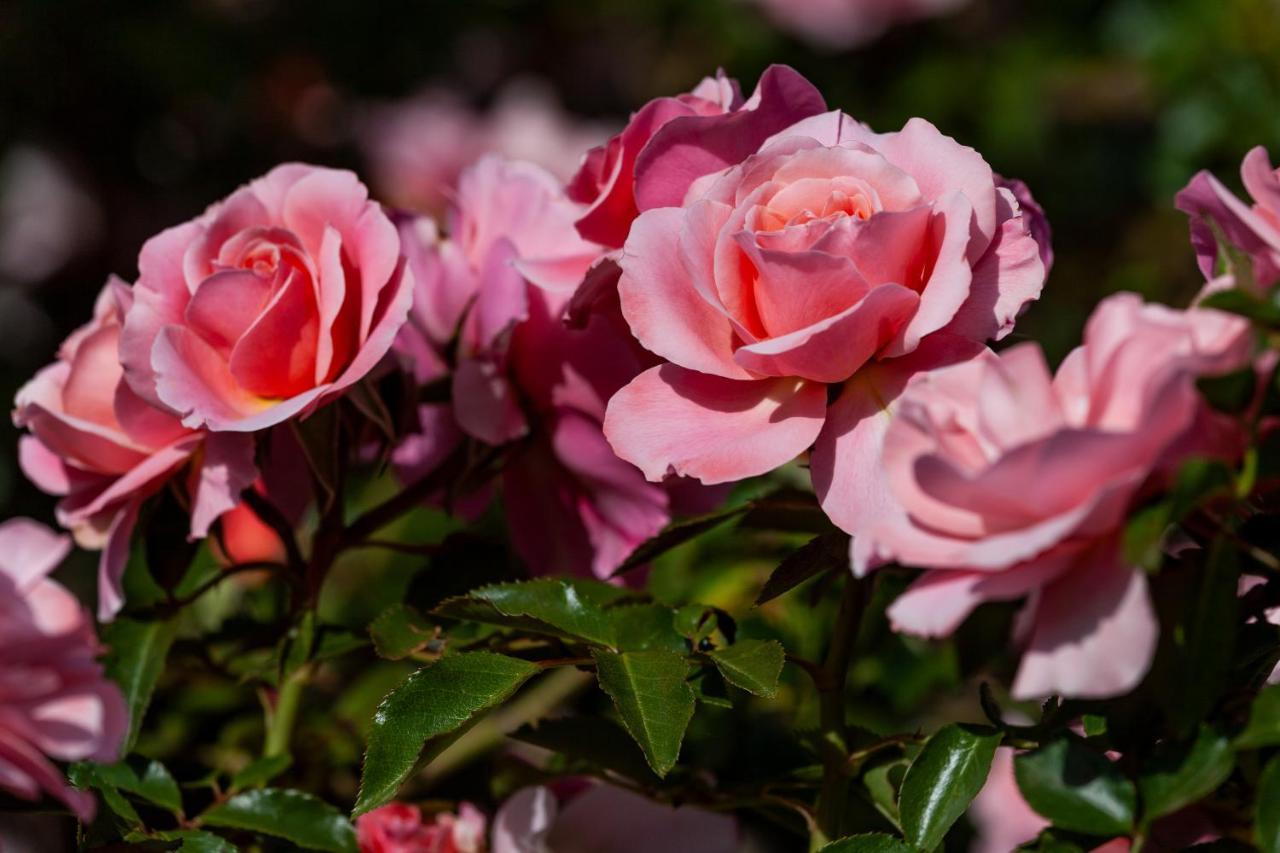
(1181, 774)
(650, 692)
(753, 665)
(136, 653)
(295, 816)
(1267, 808)
(1076, 787)
(871, 842)
(400, 631)
(1263, 728)
(435, 701)
(942, 781)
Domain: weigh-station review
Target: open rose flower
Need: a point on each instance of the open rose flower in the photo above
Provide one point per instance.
(583, 816)
(843, 24)
(399, 828)
(829, 252)
(499, 285)
(106, 450)
(1009, 482)
(722, 127)
(1254, 229)
(54, 701)
(269, 304)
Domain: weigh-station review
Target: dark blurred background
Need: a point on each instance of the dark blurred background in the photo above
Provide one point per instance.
(119, 119)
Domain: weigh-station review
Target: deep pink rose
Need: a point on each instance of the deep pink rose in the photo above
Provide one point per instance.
(499, 285)
(54, 701)
(723, 128)
(106, 450)
(1009, 482)
(587, 816)
(269, 304)
(399, 828)
(843, 24)
(830, 255)
(1254, 229)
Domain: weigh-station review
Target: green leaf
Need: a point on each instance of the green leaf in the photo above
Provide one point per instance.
(297, 817)
(753, 665)
(1178, 775)
(195, 841)
(568, 608)
(1076, 788)
(786, 509)
(1268, 808)
(639, 627)
(136, 653)
(871, 842)
(676, 534)
(1246, 305)
(85, 774)
(883, 782)
(400, 631)
(943, 779)
(1231, 393)
(650, 693)
(824, 553)
(1209, 632)
(434, 701)
(595, 740)
(1264, 720)
(260, 772)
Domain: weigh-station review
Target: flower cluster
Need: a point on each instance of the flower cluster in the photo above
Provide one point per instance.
(728, 285)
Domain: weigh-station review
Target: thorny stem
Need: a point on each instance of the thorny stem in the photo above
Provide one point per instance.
(835, 784)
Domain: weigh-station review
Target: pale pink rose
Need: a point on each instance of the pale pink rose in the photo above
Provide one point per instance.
(105, 450)
(1254, 229)
(417, 148)
(586, 816)
(269, 304)
(724, 127)
(399, 828)
(499, 286)
(825, 262)
(54, 701)
(843, 24)
(1009, 482)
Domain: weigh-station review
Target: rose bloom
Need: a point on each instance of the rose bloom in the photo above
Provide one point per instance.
(843, 24)
(1008, 482)
(714, 115)
(584, 816)
(776, 285)
(500, 285)
(399, 828)
(269, 304)
(417, 148)
(105, 450)
(1254, 229)
(54, 701)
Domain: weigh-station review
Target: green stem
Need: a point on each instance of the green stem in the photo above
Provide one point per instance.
(831, 716)
(281, 718)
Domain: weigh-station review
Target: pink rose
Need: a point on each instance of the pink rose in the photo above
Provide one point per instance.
(1255, 229)
(399, 828)
(269, 304)
(418, 147)
(714, 116)
(499, 285)
(1008, 482)
(843, 24)
(586, 816)
(831, 255)
(105, 450)
(54, 702)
